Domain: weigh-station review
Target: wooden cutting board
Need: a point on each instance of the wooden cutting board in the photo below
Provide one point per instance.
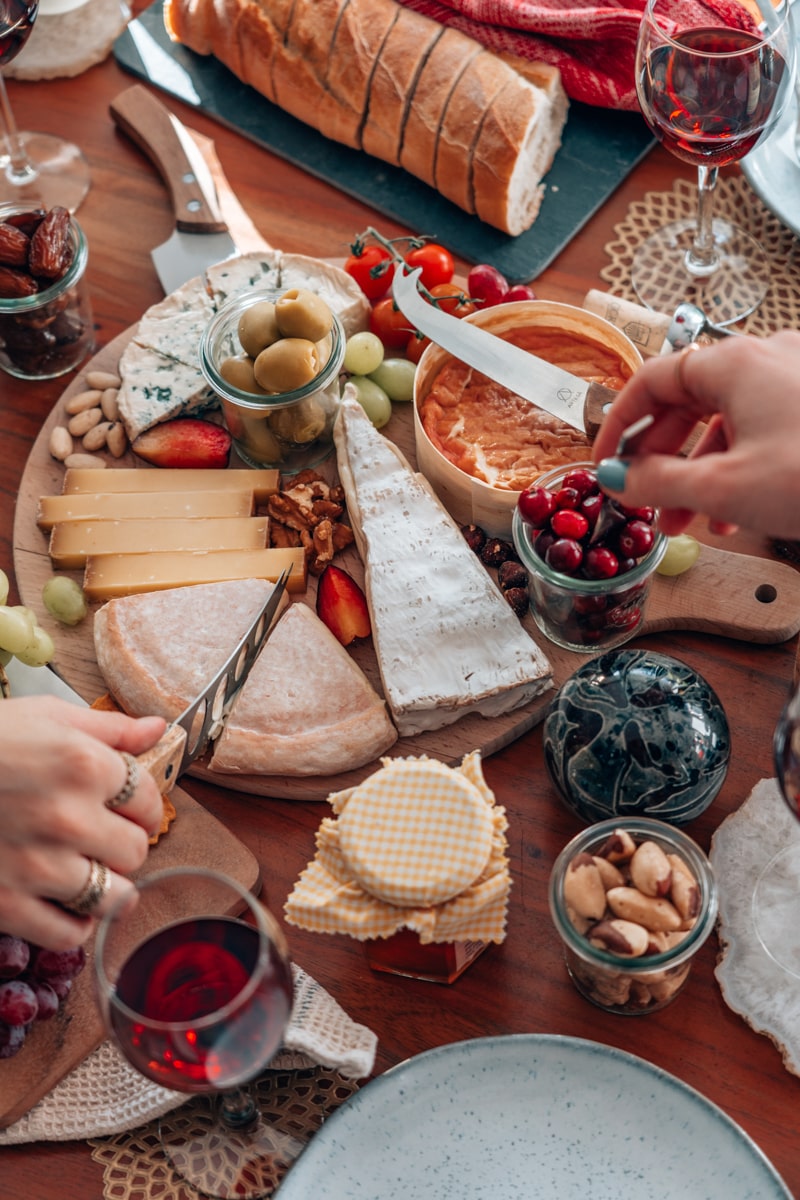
(53, 1048)
(726, 594)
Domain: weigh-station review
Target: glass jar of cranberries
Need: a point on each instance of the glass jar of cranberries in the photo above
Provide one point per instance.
(589, 559)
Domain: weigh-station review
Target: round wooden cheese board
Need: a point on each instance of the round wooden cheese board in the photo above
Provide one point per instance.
(724, 594)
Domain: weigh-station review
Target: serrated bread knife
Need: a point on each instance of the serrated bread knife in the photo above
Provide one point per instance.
(566, 396)
(187, 737)
(201, 237)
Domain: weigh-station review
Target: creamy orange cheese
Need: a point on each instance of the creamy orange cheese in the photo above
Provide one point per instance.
(495, 436)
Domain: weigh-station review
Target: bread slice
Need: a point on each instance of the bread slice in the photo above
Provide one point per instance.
(404, 54)
(516, 146)
(362, 30)
(300, 64)
(470, 100)
(306, 708)
(443, 67)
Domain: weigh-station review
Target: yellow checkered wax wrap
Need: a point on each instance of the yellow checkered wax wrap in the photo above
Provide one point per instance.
(331, 895)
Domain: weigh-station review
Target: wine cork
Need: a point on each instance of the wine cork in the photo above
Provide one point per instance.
(645, 328)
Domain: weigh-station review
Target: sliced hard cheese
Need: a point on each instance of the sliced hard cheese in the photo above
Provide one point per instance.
(446, 640)
(120, 506)
(74, 541)
(306, 708)
(111, 575)
(262, 484)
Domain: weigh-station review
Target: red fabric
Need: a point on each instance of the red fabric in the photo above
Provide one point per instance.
(592, 42)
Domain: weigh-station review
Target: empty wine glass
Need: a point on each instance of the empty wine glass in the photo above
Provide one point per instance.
(195, 986)
(776, 901)
(710, 93)
(39, 168)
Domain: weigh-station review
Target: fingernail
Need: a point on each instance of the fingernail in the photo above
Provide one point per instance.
(611, 474)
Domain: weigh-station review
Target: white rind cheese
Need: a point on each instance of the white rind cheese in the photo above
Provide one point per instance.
(446, 639)
(160, 368)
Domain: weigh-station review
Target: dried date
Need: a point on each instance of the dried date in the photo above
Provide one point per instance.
(15, 285)
(26, 221)
(51, 248)
(14, 245)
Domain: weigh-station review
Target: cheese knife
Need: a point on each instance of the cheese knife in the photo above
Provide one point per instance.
(566, 396)
(201, 236)
(186, 738)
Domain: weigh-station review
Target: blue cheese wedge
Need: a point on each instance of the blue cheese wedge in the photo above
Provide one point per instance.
(338, 289)
(446, 640)
(156, 388)
(255, 272)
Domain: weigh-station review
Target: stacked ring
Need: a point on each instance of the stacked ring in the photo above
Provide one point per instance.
(92, 891)
(129, 786)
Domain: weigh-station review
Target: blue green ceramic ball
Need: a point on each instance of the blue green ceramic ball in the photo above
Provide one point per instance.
(634, 733)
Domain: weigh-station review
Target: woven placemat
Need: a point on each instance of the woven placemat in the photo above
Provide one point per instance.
(294, 1103)
(736, 201)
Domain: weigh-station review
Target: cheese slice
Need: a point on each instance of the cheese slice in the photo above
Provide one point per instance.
(262, 483)
(306, 708)
(111, 575)
(157, 652)
(119, 506)
(74, 541)
(157, 388)
(446, 640)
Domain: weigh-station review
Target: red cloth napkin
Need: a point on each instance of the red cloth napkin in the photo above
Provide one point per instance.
(592, 42)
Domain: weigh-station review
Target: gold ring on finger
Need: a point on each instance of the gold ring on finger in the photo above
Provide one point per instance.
(93, 891)
(129, 786)
(680, 366)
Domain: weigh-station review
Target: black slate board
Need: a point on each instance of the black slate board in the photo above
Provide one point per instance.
(599, 149)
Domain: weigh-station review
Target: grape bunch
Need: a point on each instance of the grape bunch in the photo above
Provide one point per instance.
(33, 985)
(20, 633)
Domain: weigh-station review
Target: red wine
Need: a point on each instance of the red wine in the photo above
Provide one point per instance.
(16, 23)
(711, 110)
(196, 1032)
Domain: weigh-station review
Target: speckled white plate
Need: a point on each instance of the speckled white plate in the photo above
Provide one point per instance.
(773, 169)
(529, 1116)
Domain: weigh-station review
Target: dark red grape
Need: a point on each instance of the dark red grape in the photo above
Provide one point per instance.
(49, 964)
(14, 956)
(487, 284)
(519, 291)
(61, 986)
(17, 1002)
(12, 1039)
(47, 1000)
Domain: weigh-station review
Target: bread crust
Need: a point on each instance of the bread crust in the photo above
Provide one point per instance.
(394, 81)
(469, 102)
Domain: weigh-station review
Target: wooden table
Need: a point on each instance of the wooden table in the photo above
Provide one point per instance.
(521, 986)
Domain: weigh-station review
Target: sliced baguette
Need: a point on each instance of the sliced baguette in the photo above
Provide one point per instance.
(469, 102)
(299, 67)
(394, 80)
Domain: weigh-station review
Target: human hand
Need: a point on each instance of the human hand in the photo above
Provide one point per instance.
(745, 469)
(60, 765)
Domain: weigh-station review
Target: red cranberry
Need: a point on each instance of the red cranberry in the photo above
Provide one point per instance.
(625, 565)
(590, 604)
(636, 539)
(590, 507)
(536, 505)
(543, 543)
(581, 479)
(600, 563)
(640, 514)
(565, 555)
(569, 524)
(568, 498)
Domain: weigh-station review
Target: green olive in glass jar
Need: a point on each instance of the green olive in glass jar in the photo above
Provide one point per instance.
(299, 423)
(258, 328)
(238, 371)
(287, 365)
(302, 313)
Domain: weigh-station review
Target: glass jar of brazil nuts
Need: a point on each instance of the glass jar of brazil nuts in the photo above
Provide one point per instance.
(633, 901)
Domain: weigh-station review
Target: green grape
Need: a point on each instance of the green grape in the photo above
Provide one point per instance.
(4, 586)
(396, 377)
(682, 552)
(5, 657)
(373, 399)
(16, 629)
(39, 651)
(64, 599)
(363, 353)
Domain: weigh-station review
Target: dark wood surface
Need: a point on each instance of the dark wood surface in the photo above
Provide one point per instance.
(520, 986)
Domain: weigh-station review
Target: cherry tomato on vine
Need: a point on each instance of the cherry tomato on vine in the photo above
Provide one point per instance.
(372, 270)
(391, 326)
(452, 299)
(436, 263)
(417, 345)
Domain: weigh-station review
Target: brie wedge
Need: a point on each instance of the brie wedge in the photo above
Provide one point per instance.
(446, 640)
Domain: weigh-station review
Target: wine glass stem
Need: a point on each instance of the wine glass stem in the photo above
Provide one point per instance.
(238, 1109)
(702, 257)
(19, 170)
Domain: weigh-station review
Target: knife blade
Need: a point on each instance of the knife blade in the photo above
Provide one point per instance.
(201, 237)
(186, 738)
(566, 396)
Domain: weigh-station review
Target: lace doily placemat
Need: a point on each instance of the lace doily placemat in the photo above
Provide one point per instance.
(294, 1103)
(736, 201)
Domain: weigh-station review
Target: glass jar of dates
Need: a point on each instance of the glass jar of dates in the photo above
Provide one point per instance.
(589, 560)
(46, 324)
(633, 900)
(286, 421)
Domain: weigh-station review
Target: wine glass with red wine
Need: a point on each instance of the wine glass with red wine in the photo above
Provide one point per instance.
(195, 986)
(710, 90)
(37, 168)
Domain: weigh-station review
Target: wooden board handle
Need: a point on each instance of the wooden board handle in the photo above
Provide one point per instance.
(164, 759)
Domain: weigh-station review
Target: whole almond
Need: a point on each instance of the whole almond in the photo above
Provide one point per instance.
(60, 444)
(84, 460)
(103, 380)
(96, 438)
(82, 422)
(117, 439)
(109, 403)
(82, 400)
